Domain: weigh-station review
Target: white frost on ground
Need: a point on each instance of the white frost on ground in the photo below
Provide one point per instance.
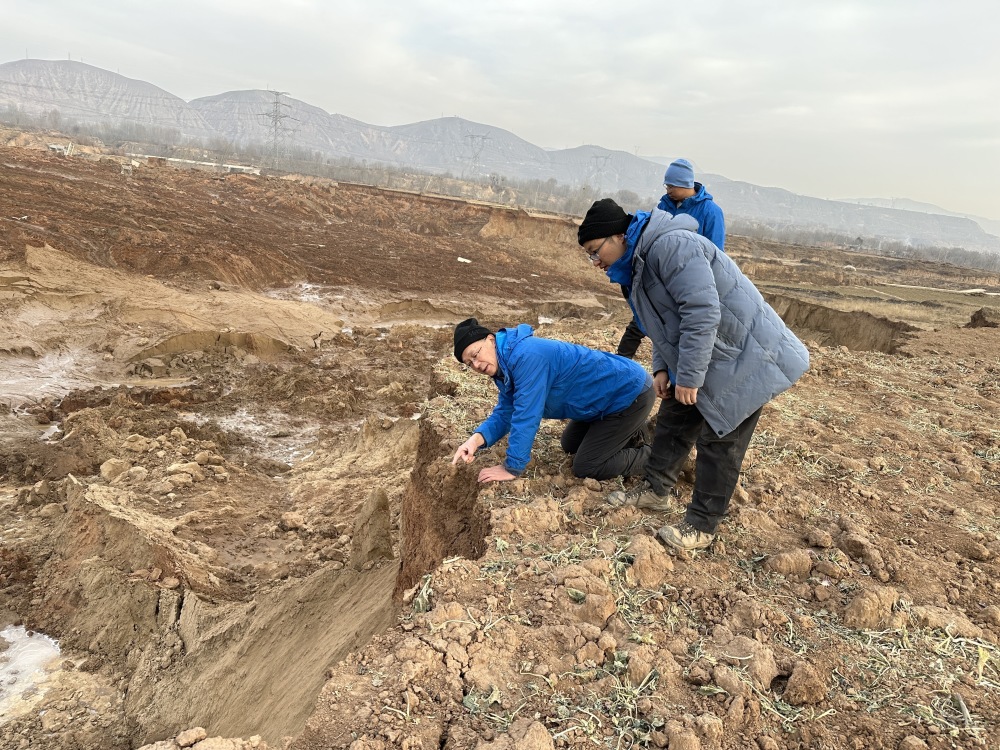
(53, 374)
(23, 663)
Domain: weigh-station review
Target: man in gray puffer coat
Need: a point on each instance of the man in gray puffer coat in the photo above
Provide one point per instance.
(720, 352)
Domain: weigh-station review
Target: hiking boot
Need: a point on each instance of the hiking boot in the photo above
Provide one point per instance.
(641, 496)
(685, 536)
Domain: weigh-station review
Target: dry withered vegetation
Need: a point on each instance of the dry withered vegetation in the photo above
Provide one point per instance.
(247, 525)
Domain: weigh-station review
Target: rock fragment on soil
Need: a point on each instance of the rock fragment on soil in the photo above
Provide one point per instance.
(871, 609)
(794, 564)
(806, 685)
(191, 736)
(939, 618)
(985, 317)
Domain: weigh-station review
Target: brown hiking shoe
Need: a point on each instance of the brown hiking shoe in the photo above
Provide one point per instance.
(641, 496)
(685, 536)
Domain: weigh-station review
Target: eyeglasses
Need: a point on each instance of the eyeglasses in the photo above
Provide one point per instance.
(473, 358)
(593, 257)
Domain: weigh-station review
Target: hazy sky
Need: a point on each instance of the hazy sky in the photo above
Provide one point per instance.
(886, 98)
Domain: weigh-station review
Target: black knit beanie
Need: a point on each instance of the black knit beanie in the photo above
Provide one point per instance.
(468, 332)
(604, 219)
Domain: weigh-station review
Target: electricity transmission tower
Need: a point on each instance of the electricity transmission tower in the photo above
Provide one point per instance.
(600, 163)
(277, 129)
(477, 142)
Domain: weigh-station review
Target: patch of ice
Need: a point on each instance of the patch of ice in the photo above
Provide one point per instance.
(303, 292)
(54, 374)
(23, 663)
(51, 433)
(278, 437)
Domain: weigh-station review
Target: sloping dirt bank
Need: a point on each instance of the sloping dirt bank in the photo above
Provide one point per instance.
(166, 570)
(440, 515)
(265, 232)
(858, 331)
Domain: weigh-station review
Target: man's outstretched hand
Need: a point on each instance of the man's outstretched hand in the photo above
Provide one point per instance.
(495, 474)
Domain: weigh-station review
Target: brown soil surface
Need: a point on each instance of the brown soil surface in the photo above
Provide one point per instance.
(225, 489)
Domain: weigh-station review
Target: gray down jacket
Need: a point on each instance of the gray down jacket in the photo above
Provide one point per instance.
(709, 324)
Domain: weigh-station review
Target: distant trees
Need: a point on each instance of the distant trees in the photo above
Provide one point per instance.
(16, 117)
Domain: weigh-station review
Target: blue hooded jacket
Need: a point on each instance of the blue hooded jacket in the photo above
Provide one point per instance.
(541, 378)
(703, 209)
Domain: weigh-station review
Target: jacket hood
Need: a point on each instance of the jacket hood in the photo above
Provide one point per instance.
(507, 338)
(700, 195)
(513, 335)
(661, 222)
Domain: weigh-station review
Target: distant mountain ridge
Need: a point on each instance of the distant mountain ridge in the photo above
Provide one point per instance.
(89, 94)
(905, 204)
(450, 144)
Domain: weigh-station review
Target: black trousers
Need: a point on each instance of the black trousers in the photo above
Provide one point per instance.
(608, 447)
(631, 339)
(717, 467)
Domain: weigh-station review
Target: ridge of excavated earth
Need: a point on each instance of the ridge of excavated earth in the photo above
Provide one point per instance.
(226, 489)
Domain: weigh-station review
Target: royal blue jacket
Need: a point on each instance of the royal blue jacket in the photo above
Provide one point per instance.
(703, 209)
(541, 378)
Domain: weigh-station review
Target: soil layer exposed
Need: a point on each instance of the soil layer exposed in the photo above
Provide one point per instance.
(225, 488)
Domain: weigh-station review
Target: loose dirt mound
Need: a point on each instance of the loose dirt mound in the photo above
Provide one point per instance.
(985, 317)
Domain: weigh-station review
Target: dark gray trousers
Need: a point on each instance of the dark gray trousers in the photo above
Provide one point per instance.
(717, 467)
(608, 448)
(631, 340)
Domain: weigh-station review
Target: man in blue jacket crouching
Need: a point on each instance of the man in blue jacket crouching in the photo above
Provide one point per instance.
(606, 398)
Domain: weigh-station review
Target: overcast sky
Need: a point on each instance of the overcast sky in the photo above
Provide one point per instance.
(874, 98)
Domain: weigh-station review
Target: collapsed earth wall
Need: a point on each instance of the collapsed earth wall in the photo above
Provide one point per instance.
(858, 331)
